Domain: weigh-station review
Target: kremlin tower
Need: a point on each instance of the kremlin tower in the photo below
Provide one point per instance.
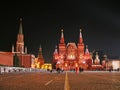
(20, 40)
(24, 58)
(18, 57)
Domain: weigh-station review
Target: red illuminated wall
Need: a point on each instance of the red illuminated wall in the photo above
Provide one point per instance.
(6, 59)
(25, 60)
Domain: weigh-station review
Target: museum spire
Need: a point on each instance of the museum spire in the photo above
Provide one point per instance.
(87, 51)
(80, 37)
(56, 50)
(62, 37)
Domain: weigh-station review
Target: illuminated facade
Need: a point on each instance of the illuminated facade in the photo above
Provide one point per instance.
(113, 64)
(47, 66)
(72, 56)
(39, 61)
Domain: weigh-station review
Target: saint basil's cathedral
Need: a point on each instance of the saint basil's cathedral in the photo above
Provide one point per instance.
(72, 56)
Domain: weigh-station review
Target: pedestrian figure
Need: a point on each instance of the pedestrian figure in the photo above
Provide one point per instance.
(51, 70)
(0, 70)
(4, 70)
(58, 70)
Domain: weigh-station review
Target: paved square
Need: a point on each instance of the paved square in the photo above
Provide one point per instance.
(55, 81)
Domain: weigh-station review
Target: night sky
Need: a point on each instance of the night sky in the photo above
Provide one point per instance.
(43, 21)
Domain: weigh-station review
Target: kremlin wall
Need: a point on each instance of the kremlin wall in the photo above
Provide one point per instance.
(19, 57)
(70, 56)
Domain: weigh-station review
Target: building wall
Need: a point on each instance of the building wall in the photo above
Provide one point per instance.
(6, 59)
(72, 58)
(25, 60)
(115, 64)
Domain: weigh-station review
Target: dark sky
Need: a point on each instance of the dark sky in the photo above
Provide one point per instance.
(43, 20)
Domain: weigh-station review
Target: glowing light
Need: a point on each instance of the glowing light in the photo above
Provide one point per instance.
(116, 64)
(84, 62)
(65, 64)
(58, 62)
(76, 65)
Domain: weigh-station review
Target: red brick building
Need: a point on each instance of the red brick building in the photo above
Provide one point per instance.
(72, 56)
(20, 57)
(6, 58)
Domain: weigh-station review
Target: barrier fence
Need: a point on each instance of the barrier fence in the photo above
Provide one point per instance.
(5, 69)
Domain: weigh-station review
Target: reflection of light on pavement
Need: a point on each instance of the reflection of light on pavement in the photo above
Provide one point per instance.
(48, 82)
(66, 86)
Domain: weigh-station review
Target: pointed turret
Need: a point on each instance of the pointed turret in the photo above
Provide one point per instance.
(80, 37)
(12, 48)
(56, 55)
(87, 51)
(40, 52)
(56, 51)
(62, 37)
(40, 57)
(62, 47)
(25, 50)
(20, 40)
(20, 28)
(80, 44)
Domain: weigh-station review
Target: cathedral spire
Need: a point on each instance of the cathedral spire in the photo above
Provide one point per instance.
(62, 37)
(80, 37)
(20, 28)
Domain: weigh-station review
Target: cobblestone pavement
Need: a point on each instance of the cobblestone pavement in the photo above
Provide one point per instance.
(56, 81)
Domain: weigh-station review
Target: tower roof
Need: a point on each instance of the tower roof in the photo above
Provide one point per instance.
(56, 51)
(80, 37)
(40, 52)
(62, 33)
(80, 33)
(62, 37)
(20, 28)
(86, 51)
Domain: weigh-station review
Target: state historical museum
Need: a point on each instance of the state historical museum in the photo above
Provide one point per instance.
(71, 55)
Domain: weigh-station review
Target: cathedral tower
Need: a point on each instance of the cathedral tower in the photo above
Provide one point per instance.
(20, 39)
